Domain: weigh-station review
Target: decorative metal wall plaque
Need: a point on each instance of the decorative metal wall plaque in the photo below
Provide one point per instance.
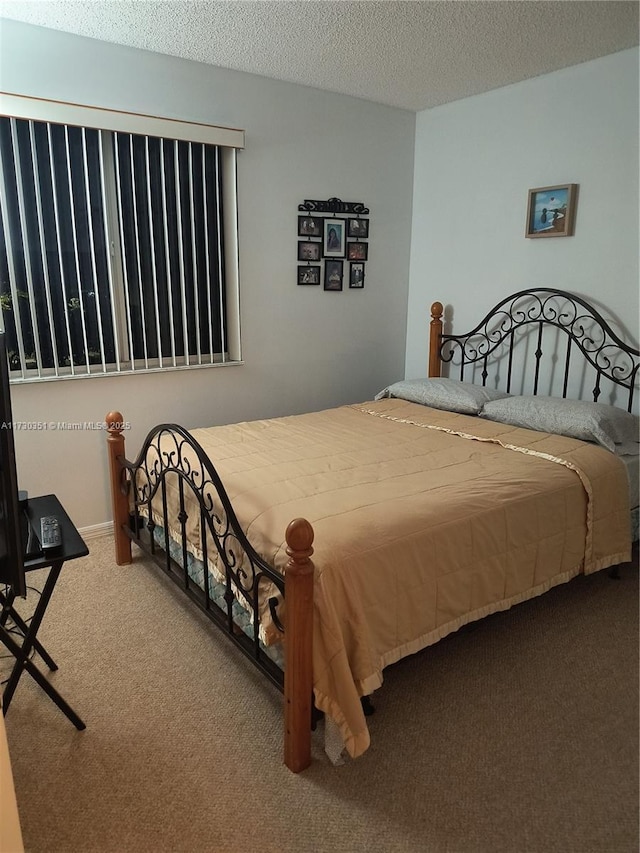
(334, 205)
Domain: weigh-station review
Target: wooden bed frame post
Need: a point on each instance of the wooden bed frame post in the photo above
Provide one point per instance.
(119, 499)
(298, 670)
(435, 331)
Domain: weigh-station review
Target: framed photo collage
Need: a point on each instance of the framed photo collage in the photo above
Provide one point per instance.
(333, 248)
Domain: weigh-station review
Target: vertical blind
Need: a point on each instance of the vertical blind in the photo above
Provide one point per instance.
(113, 253)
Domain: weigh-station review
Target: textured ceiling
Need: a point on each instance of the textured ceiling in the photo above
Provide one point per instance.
(413, 55)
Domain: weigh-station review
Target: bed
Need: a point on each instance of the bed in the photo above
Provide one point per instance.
(327, 546)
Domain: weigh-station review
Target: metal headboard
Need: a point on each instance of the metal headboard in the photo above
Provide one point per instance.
(559, 326)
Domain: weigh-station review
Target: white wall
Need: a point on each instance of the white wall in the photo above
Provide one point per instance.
(476, 159)
(303, 348)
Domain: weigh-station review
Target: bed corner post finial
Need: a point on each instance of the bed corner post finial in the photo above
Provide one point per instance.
(435, 331)
(119, 498)
(298, 671)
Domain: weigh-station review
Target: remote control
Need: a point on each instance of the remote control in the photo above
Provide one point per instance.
(50, 535)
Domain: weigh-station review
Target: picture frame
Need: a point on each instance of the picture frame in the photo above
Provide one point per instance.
(308, 250)
(357, 251)
(309, 275)
(333, 273)
(551, 211)
(358, 228)
(334, 237)
(310, 226)
(356, 275)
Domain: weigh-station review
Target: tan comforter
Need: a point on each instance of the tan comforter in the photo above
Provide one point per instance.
(417, 530)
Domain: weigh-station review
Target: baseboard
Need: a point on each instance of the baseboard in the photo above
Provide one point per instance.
(96, 531)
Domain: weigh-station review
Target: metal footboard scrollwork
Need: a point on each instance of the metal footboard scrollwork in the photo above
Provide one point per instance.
(556, 324)
(171, 502)
(172, 461)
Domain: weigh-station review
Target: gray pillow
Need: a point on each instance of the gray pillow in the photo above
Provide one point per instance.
(449, 394)
(610, 427)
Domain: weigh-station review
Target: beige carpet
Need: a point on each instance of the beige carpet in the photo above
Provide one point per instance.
(518, 735)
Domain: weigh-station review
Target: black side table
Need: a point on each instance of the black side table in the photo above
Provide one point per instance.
(71, 547)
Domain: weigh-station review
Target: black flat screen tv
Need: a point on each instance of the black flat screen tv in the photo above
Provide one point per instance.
(12, 518)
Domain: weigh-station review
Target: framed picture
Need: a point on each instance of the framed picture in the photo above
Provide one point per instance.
(358, 228)
(551, 211)
(356, 274)
(333, 275)
(334, 237)
(310, 226)
(308, 251)
(309, 275)
(357, 251)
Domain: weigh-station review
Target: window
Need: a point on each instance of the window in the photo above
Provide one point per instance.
(117, 248)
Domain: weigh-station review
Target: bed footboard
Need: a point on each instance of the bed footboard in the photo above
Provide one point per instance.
(236, 602)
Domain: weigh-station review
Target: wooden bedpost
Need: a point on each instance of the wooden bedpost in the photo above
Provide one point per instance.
(119, 499)
(298, 670)
(435, 330)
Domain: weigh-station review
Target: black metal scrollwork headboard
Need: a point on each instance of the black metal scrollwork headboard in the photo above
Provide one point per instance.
(545, 341)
